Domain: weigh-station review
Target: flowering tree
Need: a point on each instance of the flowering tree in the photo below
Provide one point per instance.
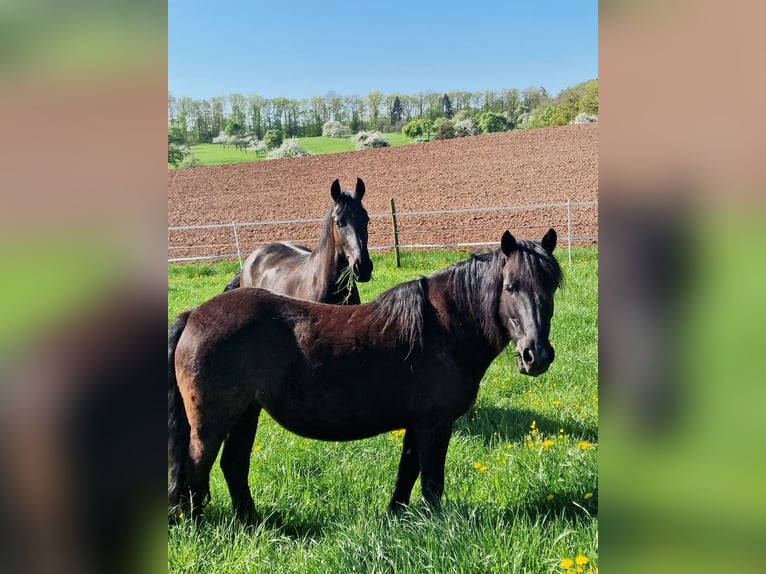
(334, 129)
(366, 140)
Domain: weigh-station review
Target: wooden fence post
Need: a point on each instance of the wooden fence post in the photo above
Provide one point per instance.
(396, 233)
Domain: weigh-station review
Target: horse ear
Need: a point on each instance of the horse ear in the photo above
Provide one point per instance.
(549, 241)
(335, 190)
(507, 243)
(359, 189)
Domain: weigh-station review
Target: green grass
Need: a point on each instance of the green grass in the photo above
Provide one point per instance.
(215, 154)
(519, 467)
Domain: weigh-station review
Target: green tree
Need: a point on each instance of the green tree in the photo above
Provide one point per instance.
(419, 128)
(492, 122)
(582, 97)
(589, 100)
(272, 138)
(231, 127)
(446, 107)
(550, 116)
(396, 111)
(176, 135)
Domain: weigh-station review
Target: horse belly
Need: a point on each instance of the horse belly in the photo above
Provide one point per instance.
(332, 412)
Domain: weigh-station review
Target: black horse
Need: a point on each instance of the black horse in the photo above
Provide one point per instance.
(329, 273)
(412, 358)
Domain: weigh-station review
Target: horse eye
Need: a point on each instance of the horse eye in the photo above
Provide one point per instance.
(512, 287)
(339, 223)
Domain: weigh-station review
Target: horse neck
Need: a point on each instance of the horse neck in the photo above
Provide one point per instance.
(326, 263)
(473, 317)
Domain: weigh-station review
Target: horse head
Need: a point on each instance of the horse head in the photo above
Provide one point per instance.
(350, 229)
(531, 275)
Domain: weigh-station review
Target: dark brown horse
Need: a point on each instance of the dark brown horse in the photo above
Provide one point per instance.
(412, 358)
(329, 273)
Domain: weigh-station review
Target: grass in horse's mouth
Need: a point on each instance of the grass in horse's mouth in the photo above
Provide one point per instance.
(345, 282)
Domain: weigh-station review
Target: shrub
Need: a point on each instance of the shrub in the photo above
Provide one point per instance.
(367, 140)
(290, 148)
(256, 146)
(465, 128)
(445, 131)
(176, 153)
(334, 129)
(584, 118)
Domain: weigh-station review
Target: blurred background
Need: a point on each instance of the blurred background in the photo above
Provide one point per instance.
(83, 279)
(681, 297)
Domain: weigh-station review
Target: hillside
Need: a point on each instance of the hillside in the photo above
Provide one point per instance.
(546, 165)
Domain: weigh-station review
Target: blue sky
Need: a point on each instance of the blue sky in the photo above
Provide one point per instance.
(302, 48)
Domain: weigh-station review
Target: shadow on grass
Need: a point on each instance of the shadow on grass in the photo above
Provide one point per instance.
(492, 423)
(566, 505)
(220, 517)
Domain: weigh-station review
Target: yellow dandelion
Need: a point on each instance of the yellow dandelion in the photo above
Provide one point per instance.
(534, 423)
(258, 447)
(549, 497)
(581, 560)
(588, 495)
(566, 563)
(483, 467)
(585, 445)
(509, 445)
(556, 402)
(547, 443)
(477, 465)
(401, 444)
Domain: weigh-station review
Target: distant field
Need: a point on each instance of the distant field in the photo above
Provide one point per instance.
(216, 154)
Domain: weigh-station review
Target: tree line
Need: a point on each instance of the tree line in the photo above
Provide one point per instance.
(200, 121)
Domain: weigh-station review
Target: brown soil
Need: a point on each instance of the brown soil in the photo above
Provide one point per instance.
(549, 165)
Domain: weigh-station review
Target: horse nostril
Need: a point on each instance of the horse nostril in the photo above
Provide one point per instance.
(528, 356)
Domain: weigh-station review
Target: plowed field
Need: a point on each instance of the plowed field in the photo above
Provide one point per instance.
(519, 168)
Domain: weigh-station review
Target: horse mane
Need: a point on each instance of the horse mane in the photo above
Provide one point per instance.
(474, 285)
(536, 269)
(402, 307)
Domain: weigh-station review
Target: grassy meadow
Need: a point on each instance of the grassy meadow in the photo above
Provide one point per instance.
(216, 154)
(521, 479)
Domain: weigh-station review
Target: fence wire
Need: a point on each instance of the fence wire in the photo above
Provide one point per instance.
(449, 228)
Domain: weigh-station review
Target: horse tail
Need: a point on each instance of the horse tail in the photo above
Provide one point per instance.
(234, 283)
(178, 424)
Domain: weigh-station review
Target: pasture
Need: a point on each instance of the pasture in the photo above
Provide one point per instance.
(216, 154)
(521, 484)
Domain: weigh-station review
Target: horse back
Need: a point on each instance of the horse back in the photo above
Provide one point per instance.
(274, 266)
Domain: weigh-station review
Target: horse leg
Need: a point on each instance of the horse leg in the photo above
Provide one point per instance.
(235, 462)
(432, 453)
(203, 449)
(409, 468)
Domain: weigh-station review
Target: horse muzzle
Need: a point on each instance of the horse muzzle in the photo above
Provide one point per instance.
(362, 270)
(534, 360)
